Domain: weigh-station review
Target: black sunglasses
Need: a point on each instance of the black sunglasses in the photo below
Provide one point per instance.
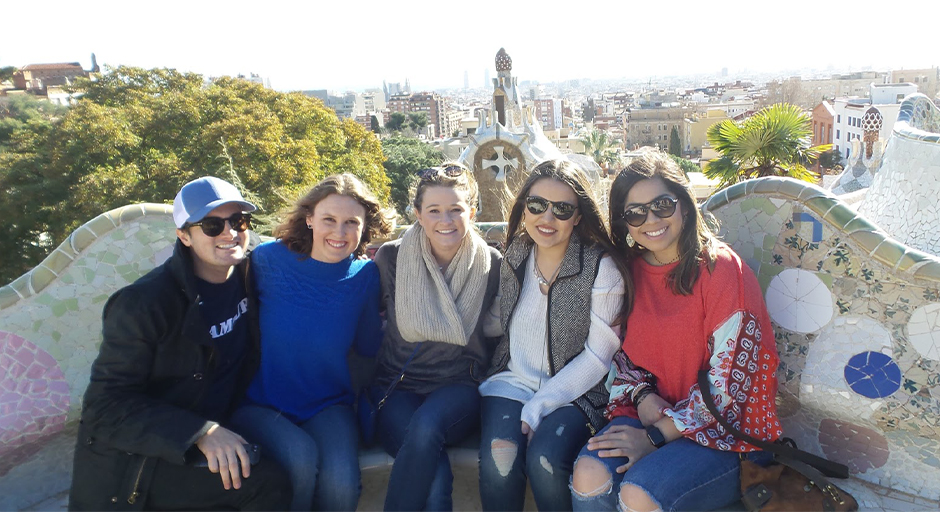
(663, 207)
(451, 171)
(560, 209)
(214, 226)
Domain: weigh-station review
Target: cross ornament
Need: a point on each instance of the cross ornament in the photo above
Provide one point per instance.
(501, 163)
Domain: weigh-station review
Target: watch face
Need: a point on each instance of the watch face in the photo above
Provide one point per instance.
(655, 436)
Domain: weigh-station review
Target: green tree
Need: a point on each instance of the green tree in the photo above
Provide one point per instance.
(830, 159)
(137, 135)
(675, 146)
(600, 147)
(687, 166)
(773, 142)
(396, 121)
(26, 112)
(417, 120)
(405, 156)
(6, 73)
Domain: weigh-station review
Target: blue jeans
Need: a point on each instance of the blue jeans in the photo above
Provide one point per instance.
(321, 455)
(547, 460)
(414, 429)
(682, 475)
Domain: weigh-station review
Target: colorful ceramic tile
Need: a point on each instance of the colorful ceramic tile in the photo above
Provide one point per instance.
(873, 374)
(799, 301)
(924, 330)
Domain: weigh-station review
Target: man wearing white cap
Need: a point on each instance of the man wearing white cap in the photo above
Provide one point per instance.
(180, 346)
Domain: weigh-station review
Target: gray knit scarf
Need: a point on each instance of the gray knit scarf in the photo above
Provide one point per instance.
(435, 306)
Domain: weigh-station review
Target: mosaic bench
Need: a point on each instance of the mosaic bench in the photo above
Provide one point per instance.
(855, 313)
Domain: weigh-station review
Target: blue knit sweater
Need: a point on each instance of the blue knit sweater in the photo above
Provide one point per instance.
(311, 314)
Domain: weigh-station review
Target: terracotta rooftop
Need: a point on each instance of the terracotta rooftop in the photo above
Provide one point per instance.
(39, 67)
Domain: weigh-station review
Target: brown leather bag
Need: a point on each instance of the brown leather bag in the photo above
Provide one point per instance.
(798, 480)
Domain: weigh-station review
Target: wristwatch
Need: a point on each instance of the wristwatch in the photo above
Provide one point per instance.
(655, 436)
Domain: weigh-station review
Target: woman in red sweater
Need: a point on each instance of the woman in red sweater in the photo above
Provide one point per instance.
(697, 306)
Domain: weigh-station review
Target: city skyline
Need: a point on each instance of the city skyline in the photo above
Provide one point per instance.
(303, 46)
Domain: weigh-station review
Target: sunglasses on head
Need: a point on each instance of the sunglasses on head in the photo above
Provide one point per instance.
(663, 207)
(560, 209)
(451, 171)
(214, 226)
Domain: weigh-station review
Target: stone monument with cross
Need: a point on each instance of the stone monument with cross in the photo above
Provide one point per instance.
(507, 145)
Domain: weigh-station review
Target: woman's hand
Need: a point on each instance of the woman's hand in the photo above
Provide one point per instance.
(650, 407)
(622, 441)
(528, 431)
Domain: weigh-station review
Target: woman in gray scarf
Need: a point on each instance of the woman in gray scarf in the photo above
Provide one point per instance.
(439, 282)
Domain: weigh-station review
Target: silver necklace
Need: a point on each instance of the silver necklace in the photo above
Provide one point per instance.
(538, 273)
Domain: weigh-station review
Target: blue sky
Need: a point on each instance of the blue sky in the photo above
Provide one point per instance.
(356, 44)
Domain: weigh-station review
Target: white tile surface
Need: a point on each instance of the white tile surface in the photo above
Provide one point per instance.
(799, 301)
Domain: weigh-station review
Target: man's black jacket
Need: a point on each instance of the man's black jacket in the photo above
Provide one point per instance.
(149, 385)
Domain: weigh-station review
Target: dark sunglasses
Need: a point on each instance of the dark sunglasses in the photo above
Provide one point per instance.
(214, 226)
(663, 207)
(451, 171)
(560, 209)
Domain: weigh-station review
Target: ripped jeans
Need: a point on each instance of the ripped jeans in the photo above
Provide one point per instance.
(682, 475)
(507, 458)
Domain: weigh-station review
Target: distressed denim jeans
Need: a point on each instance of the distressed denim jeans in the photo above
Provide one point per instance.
(682, 475)
(507, 459)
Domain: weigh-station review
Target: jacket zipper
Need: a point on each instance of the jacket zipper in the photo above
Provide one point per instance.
(135, 491)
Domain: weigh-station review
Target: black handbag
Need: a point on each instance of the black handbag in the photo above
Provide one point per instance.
(798, 481)
(368, 407)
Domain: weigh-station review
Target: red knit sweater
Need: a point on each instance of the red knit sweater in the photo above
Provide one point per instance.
(722, 326)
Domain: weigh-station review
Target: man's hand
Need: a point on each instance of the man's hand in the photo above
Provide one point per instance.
(225, 452)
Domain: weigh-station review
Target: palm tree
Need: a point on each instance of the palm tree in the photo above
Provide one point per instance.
(601, 148)
(773, 142)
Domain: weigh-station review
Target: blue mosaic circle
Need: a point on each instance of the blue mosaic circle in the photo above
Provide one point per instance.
(873, 374)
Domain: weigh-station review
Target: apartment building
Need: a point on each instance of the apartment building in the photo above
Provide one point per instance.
(854, 115)
(549, 112)
(652, 126)
(695, 129)
(808, 93)
(927, 81)
(431, 104)
(36, 78)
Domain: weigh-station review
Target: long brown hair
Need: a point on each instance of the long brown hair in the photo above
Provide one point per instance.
(696, 242)
(298, 237)
(592, 229)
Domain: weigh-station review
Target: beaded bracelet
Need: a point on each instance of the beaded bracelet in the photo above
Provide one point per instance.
(639, 388)
(642, 394)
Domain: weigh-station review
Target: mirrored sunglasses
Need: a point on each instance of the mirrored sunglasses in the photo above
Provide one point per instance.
(662, 207)
(214, 226)
(560, 209)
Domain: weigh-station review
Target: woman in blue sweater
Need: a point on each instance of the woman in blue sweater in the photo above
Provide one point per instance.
(317, 300)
